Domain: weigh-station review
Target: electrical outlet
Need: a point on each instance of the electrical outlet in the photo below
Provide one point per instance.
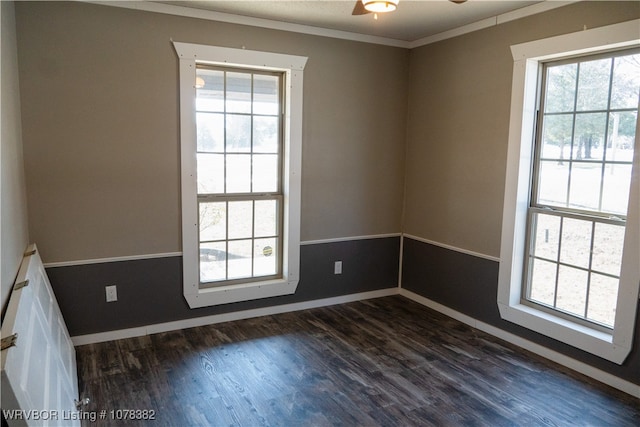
(337, 267)
(112, 293)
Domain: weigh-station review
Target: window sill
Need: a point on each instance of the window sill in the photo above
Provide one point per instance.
(590, 340)
(219, 295)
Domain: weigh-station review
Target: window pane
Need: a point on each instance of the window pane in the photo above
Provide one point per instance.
(238, 173)
(210, 132)
(543, 282)
(576, 242)
(240, 219)
(213, 259)
(593, 85)
(213, 221)
(603, 295)
(265, 173)
(238, 92)
(585, 186)
(622, 135)
(239, 144)
(554, 177)
(239, 264)
(265, 94)
(547, 236)
(210, 173)
(572, 290)
(238, 133)
(608, 241)
(615, 197)
(588, 142)
(583, 168)
(265, 134)
(265, 257)
(561, 84)
(556, 136)
(265, 218)
(626, 82)
(210, 97)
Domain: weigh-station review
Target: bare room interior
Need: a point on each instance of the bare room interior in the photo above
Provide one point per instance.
(320, 213)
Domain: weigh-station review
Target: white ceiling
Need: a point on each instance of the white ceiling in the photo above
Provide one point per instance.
(413, 20)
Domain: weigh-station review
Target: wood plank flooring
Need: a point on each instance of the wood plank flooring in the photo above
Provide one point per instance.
(381, 362)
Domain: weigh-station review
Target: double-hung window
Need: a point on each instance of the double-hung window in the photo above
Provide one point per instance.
(570, 249)
(240, 139)
(239, 174)
(581, 180)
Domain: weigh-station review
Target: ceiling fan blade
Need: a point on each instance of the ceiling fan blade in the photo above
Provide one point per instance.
(359, 9)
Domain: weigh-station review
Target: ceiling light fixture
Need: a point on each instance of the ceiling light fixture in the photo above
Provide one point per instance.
(380, 5)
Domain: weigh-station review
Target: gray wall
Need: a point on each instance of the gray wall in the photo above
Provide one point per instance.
(458, 124)
(457, 132)
(13, 197)
(100, 128)
(469, 285)
(100, 125)
(101, 141)
(150, 290)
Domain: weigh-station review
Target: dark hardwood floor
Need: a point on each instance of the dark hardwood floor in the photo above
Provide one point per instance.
(381, 362)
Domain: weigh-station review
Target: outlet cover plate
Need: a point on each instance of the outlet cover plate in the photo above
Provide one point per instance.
(337, 267)
(112, 293)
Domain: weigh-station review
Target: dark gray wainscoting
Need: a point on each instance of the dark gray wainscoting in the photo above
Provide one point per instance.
(150, 290)
(469, 285)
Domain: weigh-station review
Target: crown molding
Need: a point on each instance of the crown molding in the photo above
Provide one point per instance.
(247, 20)
(188, 12)
(492, 21)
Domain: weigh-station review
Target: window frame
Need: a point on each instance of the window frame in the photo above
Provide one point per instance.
(612, 345)
(292, 67)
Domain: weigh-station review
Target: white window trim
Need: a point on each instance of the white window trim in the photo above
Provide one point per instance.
(613, 346)
(293, 68)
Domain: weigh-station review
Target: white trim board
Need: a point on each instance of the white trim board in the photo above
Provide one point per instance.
(227, 317)
(554, 356)
(348, 239)
(338, 34)
(172, 254)
(110, 259)
(452, 248)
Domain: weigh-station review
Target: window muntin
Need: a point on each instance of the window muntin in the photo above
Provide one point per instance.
(580, 192)
(239, 149)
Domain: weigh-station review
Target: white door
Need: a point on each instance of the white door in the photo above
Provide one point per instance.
(39, 375)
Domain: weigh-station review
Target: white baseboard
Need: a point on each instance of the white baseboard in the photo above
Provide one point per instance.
(554, 356)
(226, 317)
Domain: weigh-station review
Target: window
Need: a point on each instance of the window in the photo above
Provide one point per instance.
(240, 131)
(239, 174)
(570, 241)
(582, 175)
